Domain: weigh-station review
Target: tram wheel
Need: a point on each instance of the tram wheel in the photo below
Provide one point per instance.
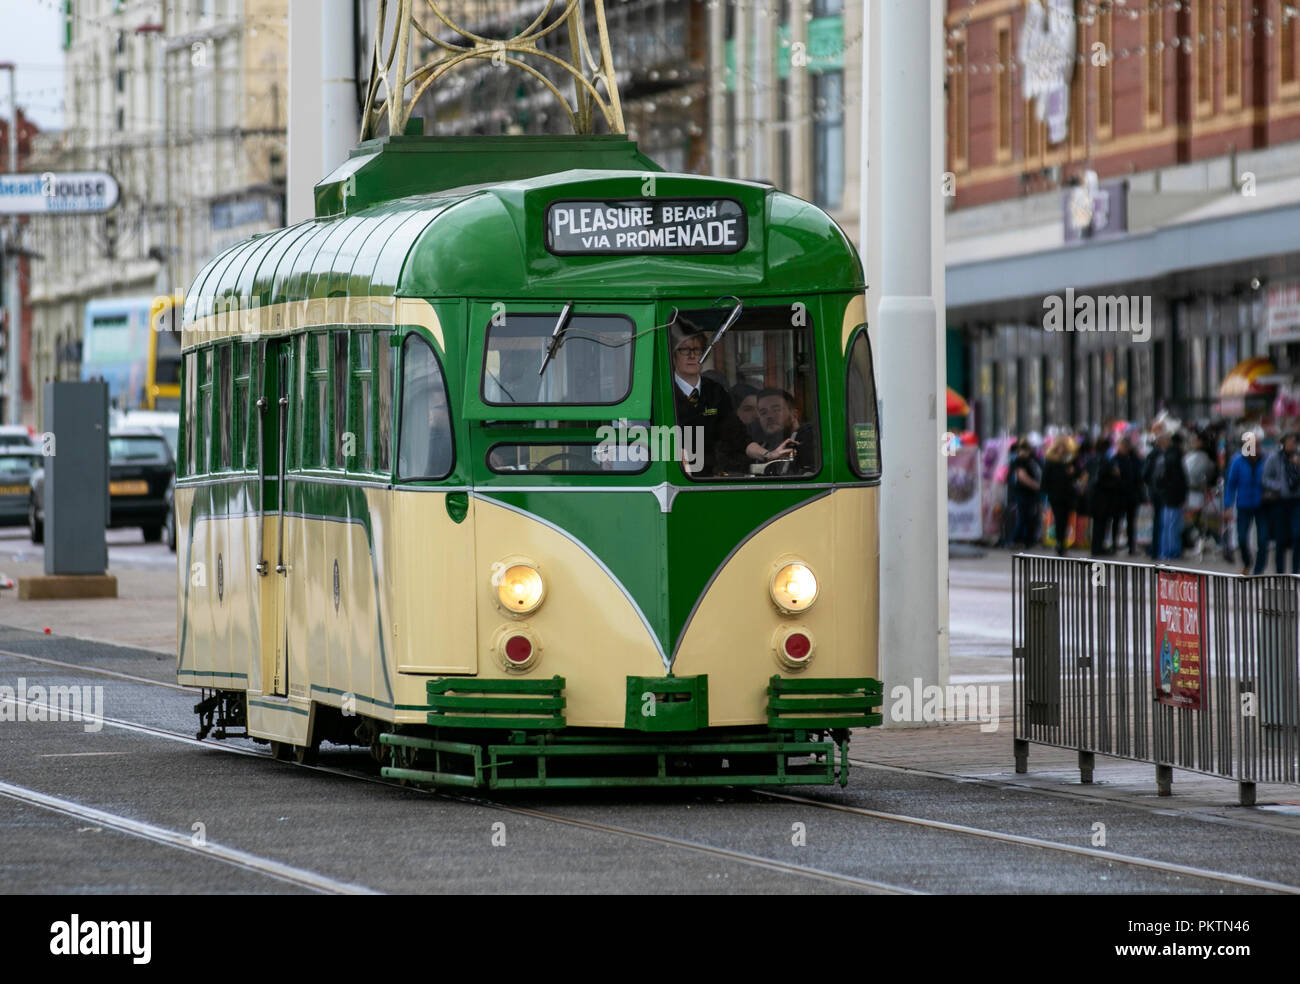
(282, 751)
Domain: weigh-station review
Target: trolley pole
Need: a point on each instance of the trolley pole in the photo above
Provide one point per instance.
(912, 596)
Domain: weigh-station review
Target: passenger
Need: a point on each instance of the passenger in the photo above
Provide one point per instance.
(745, 399)
(703, 403)
(783, 435)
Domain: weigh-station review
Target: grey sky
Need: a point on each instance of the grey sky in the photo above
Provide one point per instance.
(32, 38)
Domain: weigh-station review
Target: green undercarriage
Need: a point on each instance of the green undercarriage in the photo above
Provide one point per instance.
(511, 734)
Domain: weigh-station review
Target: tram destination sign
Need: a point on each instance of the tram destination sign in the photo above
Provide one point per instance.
(640, 226)
(57, 193)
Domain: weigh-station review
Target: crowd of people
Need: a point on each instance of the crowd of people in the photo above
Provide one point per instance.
(1099, 485)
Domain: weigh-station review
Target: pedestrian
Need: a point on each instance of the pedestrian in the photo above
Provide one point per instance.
(1201, 474)
(1105, 496)
(1171, 480)
(1150, 469)
(1058, 483)
(1243, 496)
(1082, 481)
(1129, 494)
(1026, 480)
(1281, 498)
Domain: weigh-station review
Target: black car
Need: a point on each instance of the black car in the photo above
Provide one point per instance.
(140, 472)
(16, 467)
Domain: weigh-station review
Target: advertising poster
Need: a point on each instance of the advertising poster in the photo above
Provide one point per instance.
(965, 518)
(1180, 638)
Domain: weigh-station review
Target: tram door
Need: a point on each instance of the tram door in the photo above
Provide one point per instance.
(273, 422)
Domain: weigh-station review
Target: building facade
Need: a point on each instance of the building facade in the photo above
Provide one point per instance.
(27, 144)
(1105, 152)
(182, 101)
(781, 107)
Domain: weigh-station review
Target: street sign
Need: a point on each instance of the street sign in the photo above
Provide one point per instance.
(57, 193)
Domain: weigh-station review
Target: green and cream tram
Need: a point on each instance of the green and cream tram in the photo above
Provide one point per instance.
(528, 464)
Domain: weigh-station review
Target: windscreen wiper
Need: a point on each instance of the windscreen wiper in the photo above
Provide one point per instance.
(557, 336)
(732, 318)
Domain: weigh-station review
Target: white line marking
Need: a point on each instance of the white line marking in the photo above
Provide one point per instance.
(93, 669)
(1087, 852)
(172, 838)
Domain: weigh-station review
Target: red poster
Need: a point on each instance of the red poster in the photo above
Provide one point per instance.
(1180, 638)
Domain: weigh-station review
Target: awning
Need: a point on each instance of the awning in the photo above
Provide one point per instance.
(957, 407)
(1243, 380)
(1243, 391)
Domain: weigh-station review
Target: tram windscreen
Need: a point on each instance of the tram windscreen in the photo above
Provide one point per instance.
(592, 365)
(754, 400)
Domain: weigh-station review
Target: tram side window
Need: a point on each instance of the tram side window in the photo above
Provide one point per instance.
(191, 419)
(342, 426)
(385, 369)
(205, 410)
(424, 447)
(362, 405)
(239, 416)
(863, 427)
(314, 396)
(224, 398)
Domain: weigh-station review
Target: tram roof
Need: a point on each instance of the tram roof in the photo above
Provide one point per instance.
(486, 240)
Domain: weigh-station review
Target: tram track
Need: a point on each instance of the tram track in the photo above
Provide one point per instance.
(1166, 867)
(298, 876)
(1040, 844)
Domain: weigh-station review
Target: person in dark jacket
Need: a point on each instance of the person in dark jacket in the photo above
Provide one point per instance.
(1128, 494)
(1171, 480)
(1026, 481)
(1280, 480)
(1150, 468)
(1104, 481)
(1243, 495)
(702, 402)
(1058, 483)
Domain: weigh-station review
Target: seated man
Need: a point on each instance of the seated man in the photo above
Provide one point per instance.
(783, 436)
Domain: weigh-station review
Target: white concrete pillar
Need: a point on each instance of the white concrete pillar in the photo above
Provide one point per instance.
(340, 115)
(801, 108)
(305, 124)
(908, 351)
(744, 100)
(717, 90)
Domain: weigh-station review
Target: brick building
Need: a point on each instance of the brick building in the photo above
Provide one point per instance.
(1120, 149)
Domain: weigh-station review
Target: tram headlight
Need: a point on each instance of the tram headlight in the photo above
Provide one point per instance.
(794, 588)
(520, 588)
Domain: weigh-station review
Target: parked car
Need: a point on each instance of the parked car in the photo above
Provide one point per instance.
(140, 471)
(16, 467)
(16, 436)
(166, 422)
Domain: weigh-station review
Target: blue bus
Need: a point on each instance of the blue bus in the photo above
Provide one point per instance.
(124, 346)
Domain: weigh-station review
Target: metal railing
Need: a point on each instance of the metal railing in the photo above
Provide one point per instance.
(1089, 672)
